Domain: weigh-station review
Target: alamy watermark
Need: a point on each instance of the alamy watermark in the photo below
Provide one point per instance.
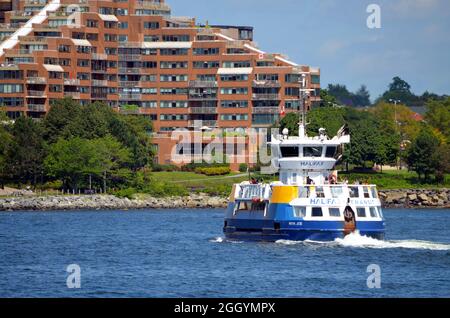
(374, 279)
(374, 18)
(74, 279)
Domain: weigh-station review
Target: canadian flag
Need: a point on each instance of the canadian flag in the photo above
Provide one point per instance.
(283, 110)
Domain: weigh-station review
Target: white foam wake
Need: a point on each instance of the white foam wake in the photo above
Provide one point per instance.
(356, 240)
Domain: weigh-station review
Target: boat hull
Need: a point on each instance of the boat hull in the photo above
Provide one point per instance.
(279, 224)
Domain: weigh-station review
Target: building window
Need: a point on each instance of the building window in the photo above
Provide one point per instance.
(151, 25)
(206, 51)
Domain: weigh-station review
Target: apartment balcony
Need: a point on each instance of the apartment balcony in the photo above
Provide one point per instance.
(203, 123)
(132, 96)
(36, 108)
(266, 84)
(71, 82)
(74, 95)
(151, 5)
(130, 70)
(130, 57)
(202, 97)
(266, 97)
(99, 83)
(266, 110)
(203, 84)
(38, 94)
(130, 84)
(98, 96)
(99, 56)
(203, 110)
(37, 80)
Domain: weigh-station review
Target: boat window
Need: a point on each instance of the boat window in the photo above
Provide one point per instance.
(373, 213)
(320, 193)
(312, 151)
(361, 212)
(290, 152)
(366, 192)
(251, 206)
(380, 212)
(335, 212)
(317, 212)
(354, 192)
(374, 192)
(303, 192)
(337, 192)
(331, 152)
(300, 212)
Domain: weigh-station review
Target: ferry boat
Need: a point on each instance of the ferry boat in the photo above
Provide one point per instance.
(308, 202)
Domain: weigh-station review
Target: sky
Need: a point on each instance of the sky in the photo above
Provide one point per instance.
(413, 41)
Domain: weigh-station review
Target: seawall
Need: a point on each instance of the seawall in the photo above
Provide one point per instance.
(391, 199)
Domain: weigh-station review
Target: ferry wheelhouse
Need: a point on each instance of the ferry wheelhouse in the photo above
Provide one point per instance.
(308, 202)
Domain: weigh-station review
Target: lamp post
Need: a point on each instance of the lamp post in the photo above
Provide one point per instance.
(397, 101)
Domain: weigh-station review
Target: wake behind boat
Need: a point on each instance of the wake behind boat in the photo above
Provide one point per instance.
(308, 202)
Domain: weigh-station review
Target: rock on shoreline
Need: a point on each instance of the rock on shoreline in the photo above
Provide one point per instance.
(108, 202)
(391, 199)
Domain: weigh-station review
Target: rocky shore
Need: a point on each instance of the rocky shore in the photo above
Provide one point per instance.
(391, 199)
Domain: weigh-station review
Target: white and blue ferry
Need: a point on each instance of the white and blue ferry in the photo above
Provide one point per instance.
(308, 202)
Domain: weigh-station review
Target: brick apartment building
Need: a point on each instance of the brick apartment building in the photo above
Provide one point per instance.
(140, 60)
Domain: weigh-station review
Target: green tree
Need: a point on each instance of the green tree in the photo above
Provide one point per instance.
(421, 158)
(438, 116)
(71, 160)
(26, 152)
(362, 97)
(5, 140)
(61, 114)
(341, 93)
(441, 157)
(110, 160)
(401, 90)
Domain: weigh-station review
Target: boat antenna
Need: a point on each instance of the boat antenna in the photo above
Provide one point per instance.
(302, 123)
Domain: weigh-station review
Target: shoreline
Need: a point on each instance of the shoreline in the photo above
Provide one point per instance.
(412, 199)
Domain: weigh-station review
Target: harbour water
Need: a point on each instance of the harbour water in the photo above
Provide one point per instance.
(182, 253)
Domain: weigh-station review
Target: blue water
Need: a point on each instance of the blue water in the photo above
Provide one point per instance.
(183, 254)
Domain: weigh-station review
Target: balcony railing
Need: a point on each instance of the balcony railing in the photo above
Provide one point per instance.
(266, 97)
(33, 93)
(203, 110)
(71, 82)
(37, 80)
(99, 56)
(130, 70)
(266, 110)
(132, 96)
(267, 84)
(74, 95)
(130, 57)
(152, 5)
(36, 108)
(201, 97)
(203, 123)
(203, 84)
(130, 84)
(100, 83)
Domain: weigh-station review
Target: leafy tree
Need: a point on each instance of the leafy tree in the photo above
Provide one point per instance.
(441, 157)
(71, 160)
(110, 159)
(327, 100)
(400, 90)
(341, 93)
(5, 140)
(332, 119)
(25, 153)
(362, 97)
(61, 114)
(438, 116)
(421, 158)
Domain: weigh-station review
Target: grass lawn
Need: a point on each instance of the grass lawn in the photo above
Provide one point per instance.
(222, 184)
